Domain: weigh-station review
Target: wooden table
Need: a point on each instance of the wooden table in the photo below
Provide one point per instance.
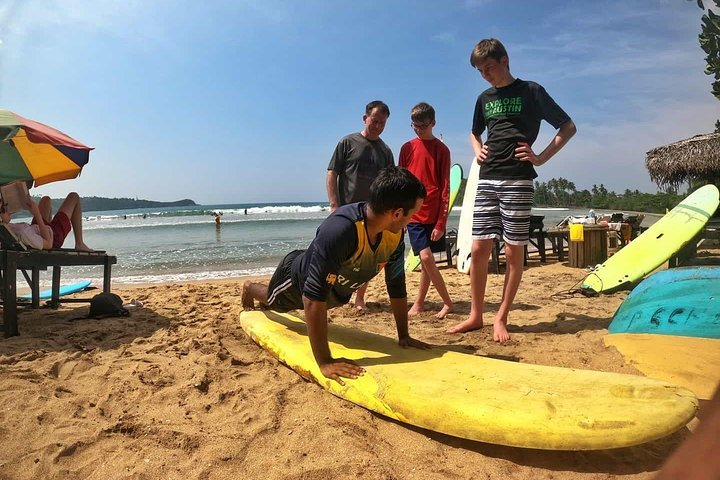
(592, 250)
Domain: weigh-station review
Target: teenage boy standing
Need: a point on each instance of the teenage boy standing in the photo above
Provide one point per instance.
(511, 110)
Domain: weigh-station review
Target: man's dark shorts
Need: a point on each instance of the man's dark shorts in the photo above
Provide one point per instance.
(283, 296)
(419, 234)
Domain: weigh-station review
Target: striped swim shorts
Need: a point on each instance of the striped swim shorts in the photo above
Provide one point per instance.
(502, 210)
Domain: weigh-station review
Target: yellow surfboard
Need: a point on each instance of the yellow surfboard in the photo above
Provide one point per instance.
(480, 398)
(412, 261)
(655, 245)
(691, 362)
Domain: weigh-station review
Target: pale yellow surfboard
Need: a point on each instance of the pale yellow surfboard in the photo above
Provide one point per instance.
(656, 245)
(480, 398)
(691, 362)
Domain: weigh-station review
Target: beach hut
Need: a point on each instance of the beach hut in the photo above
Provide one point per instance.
(695, 159)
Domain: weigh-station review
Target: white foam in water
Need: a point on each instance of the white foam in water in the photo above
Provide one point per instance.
(160, 278)
(233, 214)
(195, 276)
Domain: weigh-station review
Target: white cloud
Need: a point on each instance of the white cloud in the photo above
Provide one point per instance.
(614, 153)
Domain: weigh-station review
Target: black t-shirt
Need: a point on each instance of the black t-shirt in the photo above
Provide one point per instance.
(358, 161)
(513, 114)
(341, 258)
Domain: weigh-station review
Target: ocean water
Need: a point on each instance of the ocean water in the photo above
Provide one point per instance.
(183, 243)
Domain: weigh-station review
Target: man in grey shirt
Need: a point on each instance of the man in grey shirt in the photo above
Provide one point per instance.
(356, 162)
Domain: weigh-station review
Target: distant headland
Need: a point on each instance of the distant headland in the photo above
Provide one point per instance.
(98, 204)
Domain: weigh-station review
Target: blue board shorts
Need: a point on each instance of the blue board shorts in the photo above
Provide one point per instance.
(419, 234)
(502, 210)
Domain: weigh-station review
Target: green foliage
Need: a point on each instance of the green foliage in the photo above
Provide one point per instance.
(562, 193)
(99, 204)
(710, 43)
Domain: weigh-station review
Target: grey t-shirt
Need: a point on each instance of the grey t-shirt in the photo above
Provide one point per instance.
(357, 162)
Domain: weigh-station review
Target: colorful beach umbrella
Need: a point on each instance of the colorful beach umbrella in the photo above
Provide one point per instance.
(34, 152)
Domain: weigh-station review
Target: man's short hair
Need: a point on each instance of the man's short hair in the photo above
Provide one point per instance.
(422, 112)
(395, 187)
(380, 105)
(487, 48)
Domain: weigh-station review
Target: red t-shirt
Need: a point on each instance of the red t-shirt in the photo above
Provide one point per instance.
(429, 161)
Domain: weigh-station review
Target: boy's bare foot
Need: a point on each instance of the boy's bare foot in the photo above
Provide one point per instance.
(360, 306)
(416, 309)
(500, 333)
(246, 298)
(444, 311)
(467, 326)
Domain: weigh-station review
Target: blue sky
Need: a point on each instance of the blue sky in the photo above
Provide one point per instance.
(244, 101)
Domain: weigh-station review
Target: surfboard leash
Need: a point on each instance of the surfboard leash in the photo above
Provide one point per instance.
(574, 290)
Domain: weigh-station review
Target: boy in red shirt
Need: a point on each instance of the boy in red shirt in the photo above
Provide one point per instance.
(429, 160)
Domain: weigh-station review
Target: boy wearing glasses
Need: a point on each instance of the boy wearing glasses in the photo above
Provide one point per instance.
(429, 160)
(511, 110)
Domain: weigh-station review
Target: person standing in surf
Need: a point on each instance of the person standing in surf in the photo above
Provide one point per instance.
(429, 160)
(356, 162)
(511, 110)
(350, 248)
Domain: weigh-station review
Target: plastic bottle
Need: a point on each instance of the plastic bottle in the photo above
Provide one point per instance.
(592, 216)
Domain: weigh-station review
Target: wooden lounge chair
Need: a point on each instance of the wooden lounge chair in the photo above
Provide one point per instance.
(537, 239)
(15, 256)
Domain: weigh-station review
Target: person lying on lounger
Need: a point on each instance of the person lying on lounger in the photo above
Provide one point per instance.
(47, 231)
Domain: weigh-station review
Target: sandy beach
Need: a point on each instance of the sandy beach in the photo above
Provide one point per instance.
(177, 390)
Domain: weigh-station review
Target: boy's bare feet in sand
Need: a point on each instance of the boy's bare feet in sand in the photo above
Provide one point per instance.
(500, 333)
(416, 309)
(360, 306)
(419, 308)
(443, 312)
(467, 326)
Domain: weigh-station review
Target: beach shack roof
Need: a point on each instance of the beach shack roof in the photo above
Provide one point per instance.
(695, 158)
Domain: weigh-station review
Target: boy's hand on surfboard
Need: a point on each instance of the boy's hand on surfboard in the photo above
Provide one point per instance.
(411, 342)
(341, 367)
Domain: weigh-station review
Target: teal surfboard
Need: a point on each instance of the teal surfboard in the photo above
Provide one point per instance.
(412, 261)
(680, 301)
(64, 290)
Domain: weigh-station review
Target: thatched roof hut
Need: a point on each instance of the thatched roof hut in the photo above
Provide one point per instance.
(696, 158)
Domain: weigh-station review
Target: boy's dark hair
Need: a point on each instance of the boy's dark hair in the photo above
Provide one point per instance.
(395, 187)
(487, 48)
(422, 112)
(380, 105)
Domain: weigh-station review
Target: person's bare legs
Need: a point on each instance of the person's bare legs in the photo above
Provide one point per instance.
(514, 256)
(72, 208)
(253, 291)
(480, 254)
(430, 267)
(45, 207)
(360, 298)
(419, 305)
